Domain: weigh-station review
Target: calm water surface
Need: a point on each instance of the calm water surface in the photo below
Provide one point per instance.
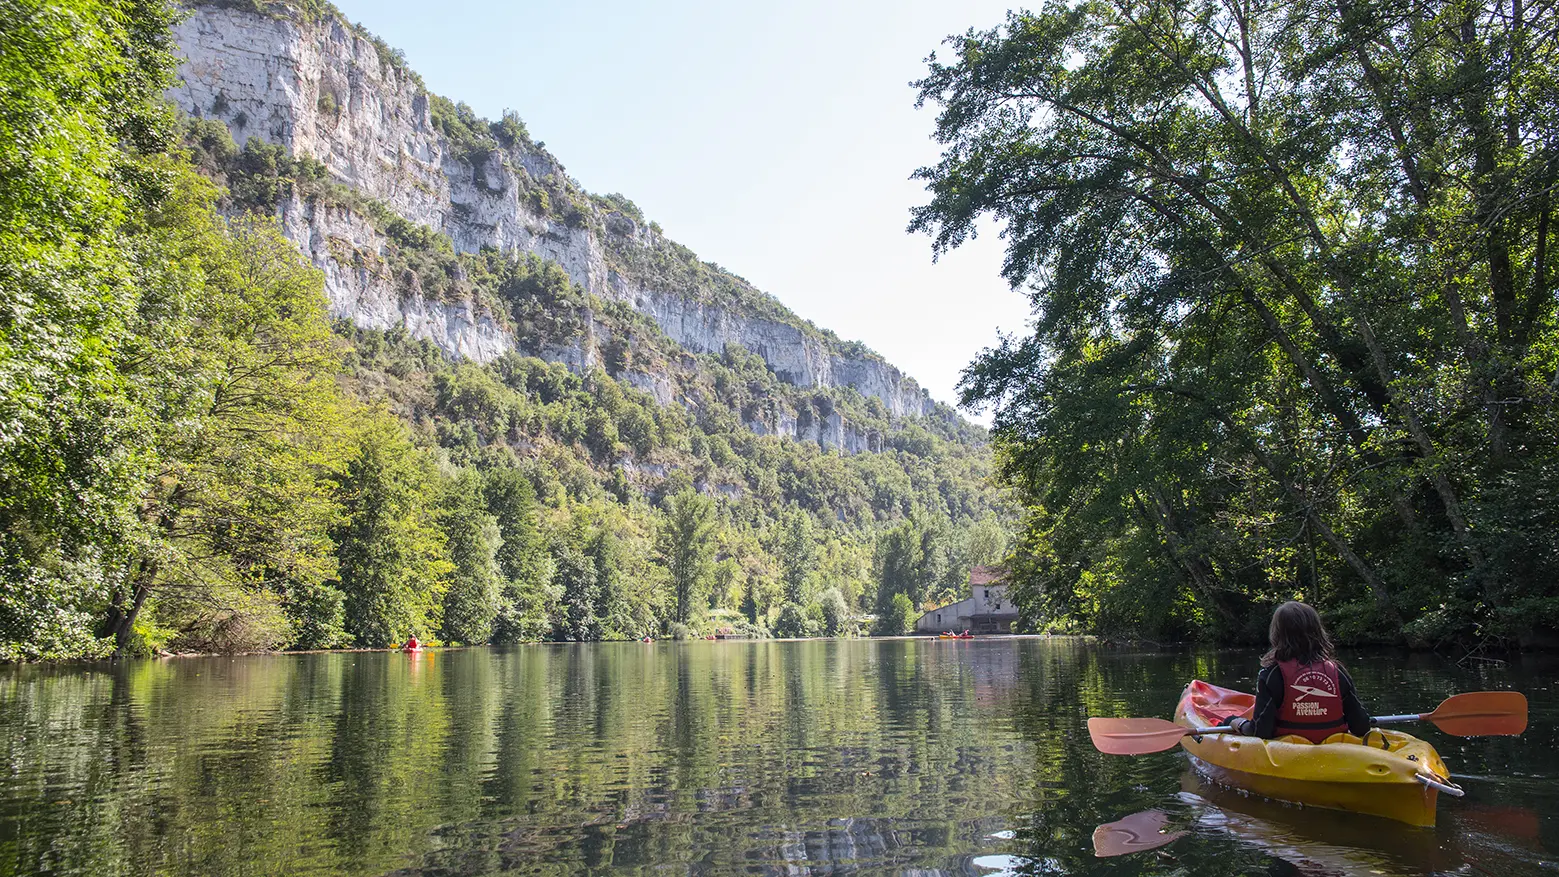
(899, 756)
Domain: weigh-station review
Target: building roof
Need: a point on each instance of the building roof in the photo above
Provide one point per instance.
(987, 575)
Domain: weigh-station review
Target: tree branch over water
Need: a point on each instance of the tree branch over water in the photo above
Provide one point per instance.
(1361, 191)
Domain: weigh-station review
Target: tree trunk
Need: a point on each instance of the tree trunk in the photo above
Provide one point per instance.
(122, 618)
(1195, 567)
(1377, 586)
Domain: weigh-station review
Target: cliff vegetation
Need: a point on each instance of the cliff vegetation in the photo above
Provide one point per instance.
(194, 456)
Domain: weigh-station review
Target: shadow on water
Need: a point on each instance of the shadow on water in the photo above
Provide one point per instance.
(903, 756)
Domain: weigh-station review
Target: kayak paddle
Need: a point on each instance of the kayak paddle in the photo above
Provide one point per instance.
(1474, 714)
(1147, 830)
(1140, 736)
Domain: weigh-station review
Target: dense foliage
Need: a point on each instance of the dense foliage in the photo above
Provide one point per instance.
(193, 458)
(79, 134)
(1294, 308)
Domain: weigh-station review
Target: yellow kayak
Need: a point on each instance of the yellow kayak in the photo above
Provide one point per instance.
(1387, 773)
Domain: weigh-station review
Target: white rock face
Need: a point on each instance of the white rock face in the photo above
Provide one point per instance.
(351, 253)
(323, 90)
(656, 384)
(798, 358)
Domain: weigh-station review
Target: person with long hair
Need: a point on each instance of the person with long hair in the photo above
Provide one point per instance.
(1302, 688)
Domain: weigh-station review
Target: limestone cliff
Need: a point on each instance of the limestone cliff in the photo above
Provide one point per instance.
(321, 87)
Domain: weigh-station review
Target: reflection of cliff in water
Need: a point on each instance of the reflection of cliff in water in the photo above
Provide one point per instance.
(849, 845)
(840, 846)
(785, 758)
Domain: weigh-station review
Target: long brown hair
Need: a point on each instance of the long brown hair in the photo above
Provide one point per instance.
(1297, 634)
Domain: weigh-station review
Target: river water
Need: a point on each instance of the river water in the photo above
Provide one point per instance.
(897, 756)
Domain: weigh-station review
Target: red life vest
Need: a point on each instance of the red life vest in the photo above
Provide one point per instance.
(1312, 701)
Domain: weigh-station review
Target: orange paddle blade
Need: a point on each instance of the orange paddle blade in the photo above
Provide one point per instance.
(1147, 830)
(1134, 736)
(1481, 714)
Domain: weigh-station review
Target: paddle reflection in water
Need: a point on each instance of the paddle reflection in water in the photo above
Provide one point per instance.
(1137, 833)
(1480, 839)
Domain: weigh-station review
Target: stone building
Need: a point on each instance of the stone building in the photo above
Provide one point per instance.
(988, 609)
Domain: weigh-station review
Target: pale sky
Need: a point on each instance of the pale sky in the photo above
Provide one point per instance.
(774, 139)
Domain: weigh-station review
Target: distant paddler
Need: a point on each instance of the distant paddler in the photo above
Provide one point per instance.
(412, 645)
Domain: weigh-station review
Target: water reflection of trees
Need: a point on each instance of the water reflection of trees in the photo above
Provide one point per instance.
(761, 755)
(557, 759)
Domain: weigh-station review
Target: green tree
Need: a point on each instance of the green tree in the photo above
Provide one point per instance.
(1294, 313)
(81, 126)
(728, 584)
(793, 622)
(393, 558)
(578, 580)
(983, 543)
(901, 566)
(318, 616)
(941, 569)
(241, 368)
(613, 604)
(897, 617)
(686, 548)
(797, 552)
(471, 603)
(836, 612)
(526, 596)
(750, 605)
